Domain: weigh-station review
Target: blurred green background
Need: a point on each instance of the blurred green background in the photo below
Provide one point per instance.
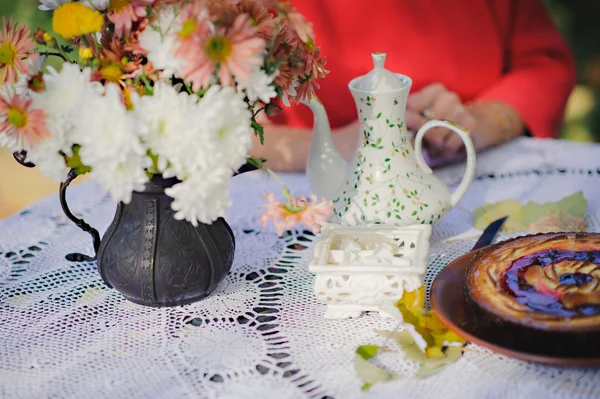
(577, 19)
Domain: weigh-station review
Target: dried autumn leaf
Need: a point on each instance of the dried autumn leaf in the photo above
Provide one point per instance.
(425, 340)
(557, 222)
(573, 205)
(523, 218)
(440, 356)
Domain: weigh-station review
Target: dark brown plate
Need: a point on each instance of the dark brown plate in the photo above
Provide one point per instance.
(447, 300)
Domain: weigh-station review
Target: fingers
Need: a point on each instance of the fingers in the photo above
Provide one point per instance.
(414, 120)
(448, 106)
(443, 145)
(423, 99)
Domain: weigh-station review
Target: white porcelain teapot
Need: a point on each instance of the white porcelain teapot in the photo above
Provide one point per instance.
(387, 181)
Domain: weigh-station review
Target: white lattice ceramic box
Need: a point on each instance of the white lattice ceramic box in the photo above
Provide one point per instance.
(361, 268)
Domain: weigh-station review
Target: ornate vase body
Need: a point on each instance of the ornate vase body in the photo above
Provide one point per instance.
(387, 181)
(154, 259)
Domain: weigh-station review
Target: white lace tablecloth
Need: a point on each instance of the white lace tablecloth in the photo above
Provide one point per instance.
(63, 334)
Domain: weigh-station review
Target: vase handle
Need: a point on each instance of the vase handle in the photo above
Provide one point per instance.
(464, 135)
(77, 257)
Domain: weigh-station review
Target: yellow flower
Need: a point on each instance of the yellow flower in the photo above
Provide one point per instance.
(111, 71)
(85, 53)
(74, 19)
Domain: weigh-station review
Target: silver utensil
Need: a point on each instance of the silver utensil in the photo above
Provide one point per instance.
(489, 234)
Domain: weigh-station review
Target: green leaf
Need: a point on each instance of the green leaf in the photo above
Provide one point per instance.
(414, 213)
(370, 373)
(387, 160)
(389, 214)
(390, 185)
(387, 121)
(367, 351)
(74, 162)
(259, 131)
(379, 115)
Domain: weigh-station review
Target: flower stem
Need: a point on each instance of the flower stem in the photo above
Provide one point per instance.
(286, 192)
(54, 54)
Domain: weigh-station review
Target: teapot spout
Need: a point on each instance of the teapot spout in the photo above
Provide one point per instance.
(326, 168)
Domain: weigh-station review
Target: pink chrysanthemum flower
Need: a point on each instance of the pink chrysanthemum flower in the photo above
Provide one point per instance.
(303, 28)
(123, 13)
(234, 53)
(312, 214)
(19, 123)
(15, 48)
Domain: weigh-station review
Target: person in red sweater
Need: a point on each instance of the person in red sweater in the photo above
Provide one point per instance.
(497, 67)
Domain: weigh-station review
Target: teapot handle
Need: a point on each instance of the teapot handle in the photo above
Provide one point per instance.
(464, 135)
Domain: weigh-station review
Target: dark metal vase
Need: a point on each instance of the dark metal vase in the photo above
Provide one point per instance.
(153, 259)
(149, 256)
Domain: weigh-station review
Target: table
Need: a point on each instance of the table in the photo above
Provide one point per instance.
(63, 334)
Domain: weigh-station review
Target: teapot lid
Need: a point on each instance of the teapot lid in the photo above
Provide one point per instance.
(380, 79)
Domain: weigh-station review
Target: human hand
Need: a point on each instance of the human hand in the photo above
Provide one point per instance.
(437, 102)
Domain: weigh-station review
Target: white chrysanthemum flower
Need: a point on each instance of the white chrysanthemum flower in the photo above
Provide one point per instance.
(47, 5)
(66, 91)
(47, 158)
(226, 125)
(110, 145)
(259, 87)
(203, 197)
(169, 124)
(100, 5)
(159, 41)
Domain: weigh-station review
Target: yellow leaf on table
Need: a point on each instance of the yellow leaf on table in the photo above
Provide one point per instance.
(488, 213)
(413, 301)
(434, 351)
(433, 323)
(564, 215)
(448, 336)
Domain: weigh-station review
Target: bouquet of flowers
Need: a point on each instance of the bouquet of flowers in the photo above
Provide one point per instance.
(155, 87)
